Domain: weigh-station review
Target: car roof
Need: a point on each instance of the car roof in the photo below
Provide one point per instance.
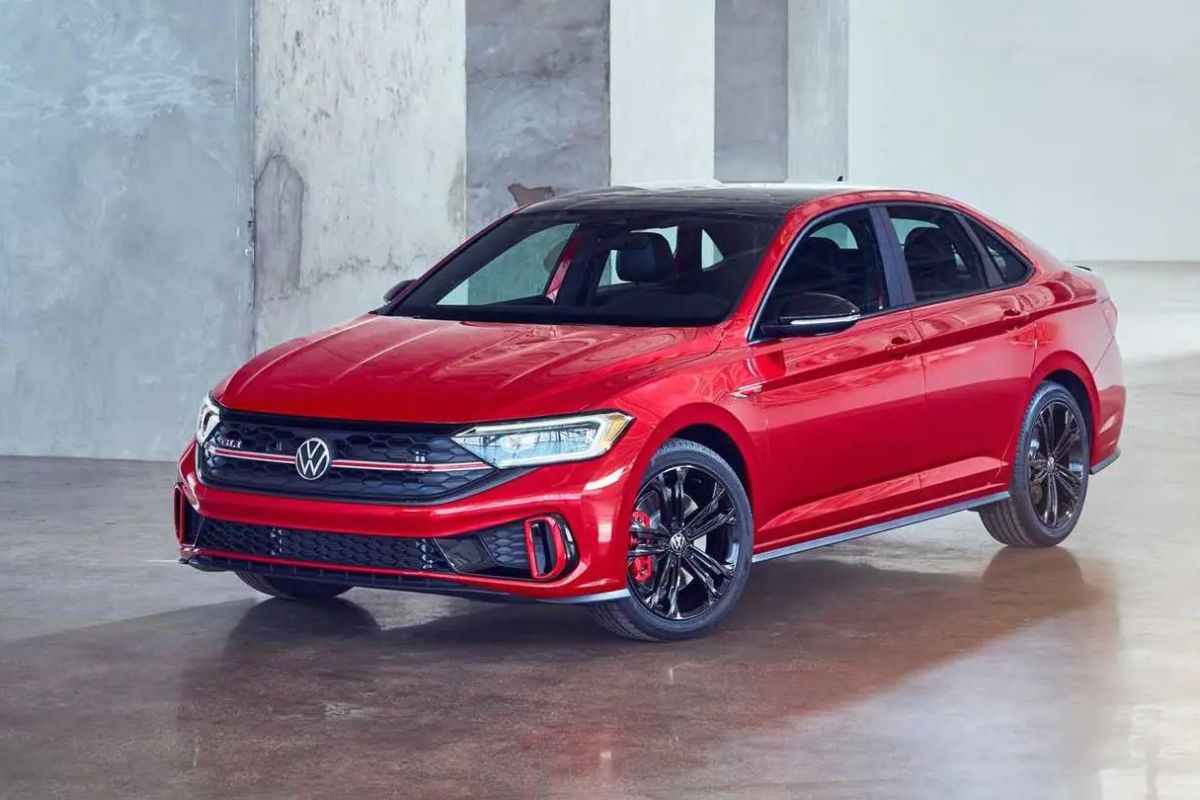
(750, 198)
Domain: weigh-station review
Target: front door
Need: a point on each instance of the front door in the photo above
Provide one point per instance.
(845, 410)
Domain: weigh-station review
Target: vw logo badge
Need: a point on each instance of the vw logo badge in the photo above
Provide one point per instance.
(312, 459)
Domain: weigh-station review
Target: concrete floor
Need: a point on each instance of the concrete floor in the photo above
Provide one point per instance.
(925, 663)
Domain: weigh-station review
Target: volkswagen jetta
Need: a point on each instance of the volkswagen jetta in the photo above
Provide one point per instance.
(627, 397)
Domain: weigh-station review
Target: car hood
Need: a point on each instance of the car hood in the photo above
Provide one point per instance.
(425, 370)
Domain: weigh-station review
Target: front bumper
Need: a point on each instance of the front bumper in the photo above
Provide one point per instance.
(587, 496)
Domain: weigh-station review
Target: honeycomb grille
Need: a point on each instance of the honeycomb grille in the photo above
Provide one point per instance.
(498, 551)
(343, 549)
(279, 436)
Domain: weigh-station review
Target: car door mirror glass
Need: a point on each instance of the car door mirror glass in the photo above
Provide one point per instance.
(810, 314)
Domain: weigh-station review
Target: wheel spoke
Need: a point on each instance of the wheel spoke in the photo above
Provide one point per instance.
(1039, 469)
(673, 593)
(1068, 438)
(1051, 517)
(706, 579)
(678, 498)
(666, 577)
(1066, 484)
(659, 487)
(706, 526)
(647, 549)
(706, 562)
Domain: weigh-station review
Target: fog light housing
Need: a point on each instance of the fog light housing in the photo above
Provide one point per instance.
(550, 546)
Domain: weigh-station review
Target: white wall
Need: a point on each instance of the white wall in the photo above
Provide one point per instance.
(1074, 121)
(661, 89)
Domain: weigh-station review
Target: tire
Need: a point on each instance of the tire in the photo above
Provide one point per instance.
(685, 566)
(1031, 517)
(292, 588)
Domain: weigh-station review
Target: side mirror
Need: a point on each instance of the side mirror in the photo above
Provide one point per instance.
(394, 292)
(810, 314)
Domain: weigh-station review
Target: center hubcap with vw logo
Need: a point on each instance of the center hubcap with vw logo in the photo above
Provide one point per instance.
(312, 459)
(677, 543)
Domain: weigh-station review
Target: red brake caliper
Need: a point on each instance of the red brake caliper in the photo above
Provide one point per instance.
(642, 567)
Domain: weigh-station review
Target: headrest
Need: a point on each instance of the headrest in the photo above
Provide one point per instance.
(644, 258)
(928, 244)
(818, 250)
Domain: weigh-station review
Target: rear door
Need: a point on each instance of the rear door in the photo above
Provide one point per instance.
(977, 349)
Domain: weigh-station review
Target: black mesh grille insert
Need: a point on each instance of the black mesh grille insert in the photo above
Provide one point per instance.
(343, 549)
(498, 551)
(355, 441)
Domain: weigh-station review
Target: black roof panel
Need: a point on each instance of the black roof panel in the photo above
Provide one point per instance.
(751, 198)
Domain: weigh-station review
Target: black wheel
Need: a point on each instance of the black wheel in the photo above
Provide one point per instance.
(1050, 474)
(690, 543)
(292, 588)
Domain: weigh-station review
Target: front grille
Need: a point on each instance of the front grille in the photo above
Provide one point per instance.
(498, 551)
(225, 460)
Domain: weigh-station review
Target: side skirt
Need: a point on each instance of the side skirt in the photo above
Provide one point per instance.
(858, 533)
(1107, 462)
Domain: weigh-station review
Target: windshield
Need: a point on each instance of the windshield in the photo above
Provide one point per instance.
(599, 267)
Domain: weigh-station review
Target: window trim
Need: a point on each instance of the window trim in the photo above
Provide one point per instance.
(911, 302)
(895, 282)
(1025, 262)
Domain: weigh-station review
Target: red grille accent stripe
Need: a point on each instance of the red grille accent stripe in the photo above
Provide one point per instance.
(343, 463)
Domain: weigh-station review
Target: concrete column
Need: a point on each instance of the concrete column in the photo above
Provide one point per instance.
(125, 175)
(751, 92)
(360, 151)
(537, 108)
(818, 89)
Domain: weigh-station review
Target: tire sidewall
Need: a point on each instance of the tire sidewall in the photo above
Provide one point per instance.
(674, 453)
(1020, 489)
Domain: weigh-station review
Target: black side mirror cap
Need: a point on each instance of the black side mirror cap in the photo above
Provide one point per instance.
(394, 292)
(812, 314)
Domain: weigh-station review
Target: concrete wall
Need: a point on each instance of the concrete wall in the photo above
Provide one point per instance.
(751, 90)
(360, 147)
(817, 91)
(536, 101)
(1075, 121)
(124, 203)
(662, 110)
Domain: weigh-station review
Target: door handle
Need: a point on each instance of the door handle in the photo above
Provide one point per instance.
(899, 343)
(1014, 316)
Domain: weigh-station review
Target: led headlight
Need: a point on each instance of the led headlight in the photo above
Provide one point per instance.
(545, 441)
(207, 420)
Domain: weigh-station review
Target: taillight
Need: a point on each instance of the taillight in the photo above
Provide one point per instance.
(550, 547)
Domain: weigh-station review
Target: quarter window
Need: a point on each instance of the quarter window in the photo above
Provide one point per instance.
(841, 257)
(942, 261)
(1012, 267)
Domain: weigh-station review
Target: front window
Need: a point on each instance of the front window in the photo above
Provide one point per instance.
(599, 267)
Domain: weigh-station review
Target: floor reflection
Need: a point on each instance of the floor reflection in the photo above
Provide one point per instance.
(497, 699)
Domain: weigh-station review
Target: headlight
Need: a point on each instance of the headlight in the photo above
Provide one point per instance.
(546, 441)
(207, 420)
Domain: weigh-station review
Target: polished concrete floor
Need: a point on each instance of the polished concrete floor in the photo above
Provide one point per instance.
(925, 663)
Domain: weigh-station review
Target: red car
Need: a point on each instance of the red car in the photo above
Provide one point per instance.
(626, 397)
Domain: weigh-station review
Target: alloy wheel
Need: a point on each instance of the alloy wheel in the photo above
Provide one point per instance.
(1056, 464)
(683, 542)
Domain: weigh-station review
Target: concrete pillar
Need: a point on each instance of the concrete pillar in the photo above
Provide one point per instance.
(537, 102)
(125, 185)
(818, 89)
(360, 132)
(751, 92)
